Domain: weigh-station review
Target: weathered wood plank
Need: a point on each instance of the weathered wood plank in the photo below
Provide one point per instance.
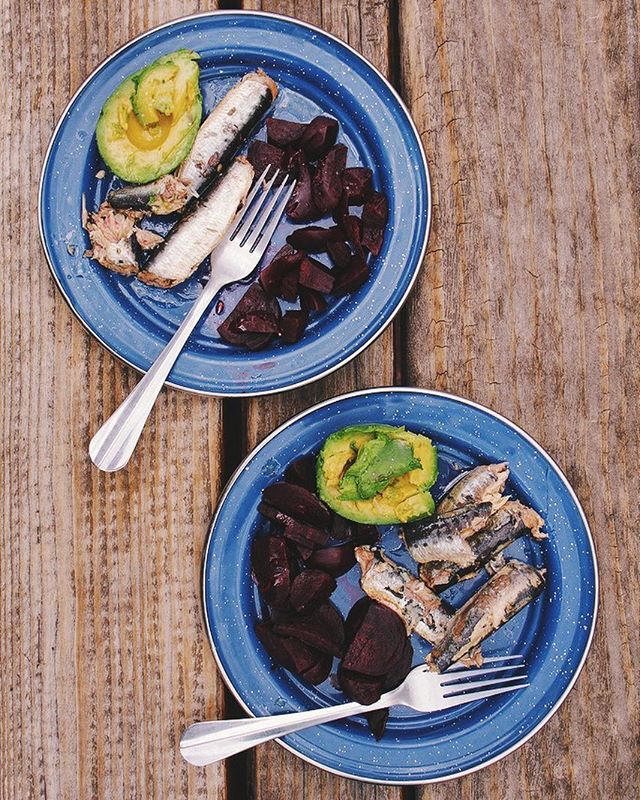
(102, 646)
(529, 113)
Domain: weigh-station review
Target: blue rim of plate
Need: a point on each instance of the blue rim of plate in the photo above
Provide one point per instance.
(585, 583)
(346, 325)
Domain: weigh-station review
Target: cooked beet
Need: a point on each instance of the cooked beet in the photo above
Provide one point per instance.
(355, 618)
(292, 326)
(340, 528)
(340, 253)
(353, 229)
(353, 277)
(375, 212)
(290, 653)
(314, 239)
(327, 182)
(259, 323)
(364, 534)
(303, 472)
(334, 560)
(273, 644)
(303, 551)
(363, 689)
(254, 301)
(356, 183)
(341, 210)
(372, 239)
(400, 668)
(297, 502)
(301, 207)
(322, 629)
(319, 137)
(319, 671)
(312, 301)
(271, 569)
(299, 532)
(283, 132)
(285, 261)
(377, 721)
(311, 588)
(261, 155)
(314, 275)
(375, 647)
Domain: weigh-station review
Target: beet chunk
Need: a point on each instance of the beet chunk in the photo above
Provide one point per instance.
(355, 618)
(312, 301)
(254, 301)
(314, 239)
(285, 261)
(290, 653)
(299, 532)
(340, 528)
(314, 275)
(283, 132)
(322, 629)
(372, 239)
(259, 323)
(334, 560)
(377, 721)
(364, 534)
(298, 503)
(303, 472)
(319, 137)
(327, 182)
(376, 645)
(353, 229)
(310, 589)
(353, 277)
(301, 207)
(319, 671)
(271, 569)
(356, 182)
(365, 689)
(376, 211)
(292, 326)
(340, 253)
(261, 155)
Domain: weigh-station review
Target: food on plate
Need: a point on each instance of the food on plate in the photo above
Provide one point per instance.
(377, 474)
(421, 610)
(273, 569)
(483, 484)
(112, 236)
(148, 125)
(513, 587)
(334, 560)
(196, 235)
(253, 322)
(163, 196)
(510, 522)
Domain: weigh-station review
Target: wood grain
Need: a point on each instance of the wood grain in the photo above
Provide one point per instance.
(529, 113)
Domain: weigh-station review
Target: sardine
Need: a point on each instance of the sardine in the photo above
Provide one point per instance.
(422, 611)
(480, 485)
(444, 538)
(198, 233)
(163, 196)
(111, 234)
(501, 597)
(508, 523)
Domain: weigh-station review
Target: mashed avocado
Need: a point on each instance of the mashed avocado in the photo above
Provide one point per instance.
(377, 474)
(147, 126)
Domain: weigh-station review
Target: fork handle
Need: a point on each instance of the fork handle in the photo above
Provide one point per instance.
(111, 447)
(206, 742)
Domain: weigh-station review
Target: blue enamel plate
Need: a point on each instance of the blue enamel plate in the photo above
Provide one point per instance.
(553, 633)
(316, 73)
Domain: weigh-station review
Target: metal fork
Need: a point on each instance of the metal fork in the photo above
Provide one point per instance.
(206, 742)
(235, 258)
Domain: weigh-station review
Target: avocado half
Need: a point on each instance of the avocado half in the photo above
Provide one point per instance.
(403, 499)
(147, 127)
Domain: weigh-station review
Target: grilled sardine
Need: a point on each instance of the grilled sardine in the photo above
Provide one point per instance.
(483, 484)
(444, 538)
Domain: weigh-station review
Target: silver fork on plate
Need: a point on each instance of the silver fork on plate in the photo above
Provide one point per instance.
(235, 258)
(206, 742)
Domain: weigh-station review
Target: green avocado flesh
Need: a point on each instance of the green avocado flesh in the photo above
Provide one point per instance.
(147, 126)
(377, 474)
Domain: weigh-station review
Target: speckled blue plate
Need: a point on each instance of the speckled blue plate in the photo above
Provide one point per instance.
(316, 73)
(553, 633)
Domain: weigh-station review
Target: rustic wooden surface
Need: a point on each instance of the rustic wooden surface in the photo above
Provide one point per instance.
(529, 113)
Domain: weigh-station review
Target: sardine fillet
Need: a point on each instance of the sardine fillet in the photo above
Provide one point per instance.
(480, 485)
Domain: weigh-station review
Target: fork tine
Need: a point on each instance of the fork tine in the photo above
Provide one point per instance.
(457, 688)
(469, 698)
(487, 660)
(261, 228)
(456, 677)
(247, 218)
(267, 233)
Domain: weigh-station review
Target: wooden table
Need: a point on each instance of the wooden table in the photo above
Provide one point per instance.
(528, 302)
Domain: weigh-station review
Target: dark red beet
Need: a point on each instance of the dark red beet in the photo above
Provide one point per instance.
(311, 588)
(327, 182)
(353, 277)
(254, 301)
(283, 132)
(375, 646)
(273, 644)
(401, 668)
(312, 301)
(290, 653)
(334, 560)
(261, 155)
(297, 502)
(372, 239)
(341, 210)
(340, 528)
(292, 326)
(355, 617)
(259, 323)
(356, 182)
(340, 253)
(322, 629)
(289, 288)
(286, 261)
(353, 229)
(319, 137)
(377, 721)
(361, 688)
(299, 532)
(303, 551)
(375, 212)
(271, 568)
(303, 472)
(314, 275)
(301, 207)
(314, 239)
(319, 671)
(364, 534)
